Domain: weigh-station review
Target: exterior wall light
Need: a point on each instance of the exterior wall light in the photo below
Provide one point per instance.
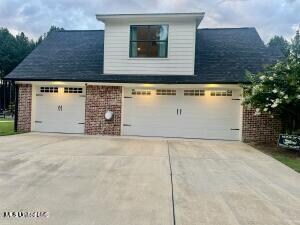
(109, 115)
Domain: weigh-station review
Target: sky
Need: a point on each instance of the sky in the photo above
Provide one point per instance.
(34, 17)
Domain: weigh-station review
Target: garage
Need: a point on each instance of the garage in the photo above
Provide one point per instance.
(188, 113)
(59, 109)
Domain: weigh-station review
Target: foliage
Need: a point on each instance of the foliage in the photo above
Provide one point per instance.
(277, 89)
(280, 43)
(13, 49)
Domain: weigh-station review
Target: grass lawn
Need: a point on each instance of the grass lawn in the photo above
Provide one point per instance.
(6, 127)
(291, 158)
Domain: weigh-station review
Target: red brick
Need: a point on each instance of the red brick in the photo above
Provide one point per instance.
(100, 99)
(24, 108)
(260, 129)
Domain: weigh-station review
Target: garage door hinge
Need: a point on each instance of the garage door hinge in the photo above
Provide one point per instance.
(80, 123)
(236, 99)
(126, 125)
(38, 121)
(82, 96)
(234, 129)
(39, 95)
(127, 97)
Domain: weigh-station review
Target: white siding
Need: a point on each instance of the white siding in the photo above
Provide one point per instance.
(181, 50)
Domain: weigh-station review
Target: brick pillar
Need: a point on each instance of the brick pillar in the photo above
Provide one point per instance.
(100, 99)
(260, 129)
(24, 108)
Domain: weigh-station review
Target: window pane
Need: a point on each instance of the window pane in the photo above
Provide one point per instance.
(154, 32)
(159, 33)
(162, 49)
(142, 48)
(158, 49)
(133, 49)
(149, 41)
(139, 49)
(139, 33)
(163, 34)
(133, 33)
(153, 49)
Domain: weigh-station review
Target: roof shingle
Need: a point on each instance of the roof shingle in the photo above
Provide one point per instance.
(222, 56)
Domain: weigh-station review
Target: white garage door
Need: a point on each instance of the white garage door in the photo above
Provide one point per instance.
(190, 113)
(59, 109)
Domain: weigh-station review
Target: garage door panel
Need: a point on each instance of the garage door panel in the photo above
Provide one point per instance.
(59, 112)
(210, 117)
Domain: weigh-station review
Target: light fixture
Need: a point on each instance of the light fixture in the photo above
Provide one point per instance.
(212, 85)
(58, 83)
(147, 85)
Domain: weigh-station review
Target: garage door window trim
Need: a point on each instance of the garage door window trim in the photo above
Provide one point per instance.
(72, 90)
(171, 92)
(194, 92)
(47, 89)
(140, 92)
(221, 93)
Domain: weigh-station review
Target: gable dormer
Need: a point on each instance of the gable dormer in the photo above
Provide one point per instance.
(150, 44)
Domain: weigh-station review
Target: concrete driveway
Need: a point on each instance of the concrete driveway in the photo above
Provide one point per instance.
(89, 180)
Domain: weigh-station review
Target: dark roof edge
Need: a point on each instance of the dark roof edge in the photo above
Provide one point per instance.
(226, 28)
(78, 30)
(133, 82)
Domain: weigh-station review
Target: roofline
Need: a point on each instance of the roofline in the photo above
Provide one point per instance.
(61, 31)
(130, 82)
(197, 15)
(134, 15)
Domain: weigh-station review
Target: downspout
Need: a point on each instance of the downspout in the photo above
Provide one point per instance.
(16, 107)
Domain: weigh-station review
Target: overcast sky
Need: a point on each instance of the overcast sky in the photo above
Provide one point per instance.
(34, 17)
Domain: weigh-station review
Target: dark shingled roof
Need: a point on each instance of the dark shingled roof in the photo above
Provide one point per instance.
(222, 56)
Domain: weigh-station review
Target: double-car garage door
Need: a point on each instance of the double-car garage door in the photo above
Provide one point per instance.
(189, 113)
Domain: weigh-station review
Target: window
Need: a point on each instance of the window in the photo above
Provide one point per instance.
(148, 41)
(49, 89)
(221, 93)
(140, 92)
(72, 90)
(194, 92)
(165, 92)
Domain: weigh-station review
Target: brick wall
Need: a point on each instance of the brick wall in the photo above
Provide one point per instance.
(260, 129)
(24, 108)
(100, 99)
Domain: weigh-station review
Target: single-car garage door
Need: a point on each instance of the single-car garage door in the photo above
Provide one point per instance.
(59, 109)
(189, 113)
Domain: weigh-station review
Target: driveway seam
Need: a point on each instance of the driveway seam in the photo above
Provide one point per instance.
(172, 186)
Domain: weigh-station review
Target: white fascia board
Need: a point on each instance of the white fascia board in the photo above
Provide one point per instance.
(198, 16)
(131, 85)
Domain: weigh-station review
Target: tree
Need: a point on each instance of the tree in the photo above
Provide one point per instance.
(280, 43)
(13, 50)
(276, 90)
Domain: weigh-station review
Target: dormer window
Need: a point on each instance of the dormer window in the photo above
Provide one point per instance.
(148, 41)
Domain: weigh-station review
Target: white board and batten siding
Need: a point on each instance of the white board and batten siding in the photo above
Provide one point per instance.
(181, 50)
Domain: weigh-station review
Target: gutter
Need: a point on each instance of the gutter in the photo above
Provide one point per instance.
(133, 82)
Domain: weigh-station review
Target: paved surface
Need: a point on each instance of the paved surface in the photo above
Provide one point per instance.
(89, 180)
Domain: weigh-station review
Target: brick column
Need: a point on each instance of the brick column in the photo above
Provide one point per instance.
(24, 108)
(260, 129)
(100, 99)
